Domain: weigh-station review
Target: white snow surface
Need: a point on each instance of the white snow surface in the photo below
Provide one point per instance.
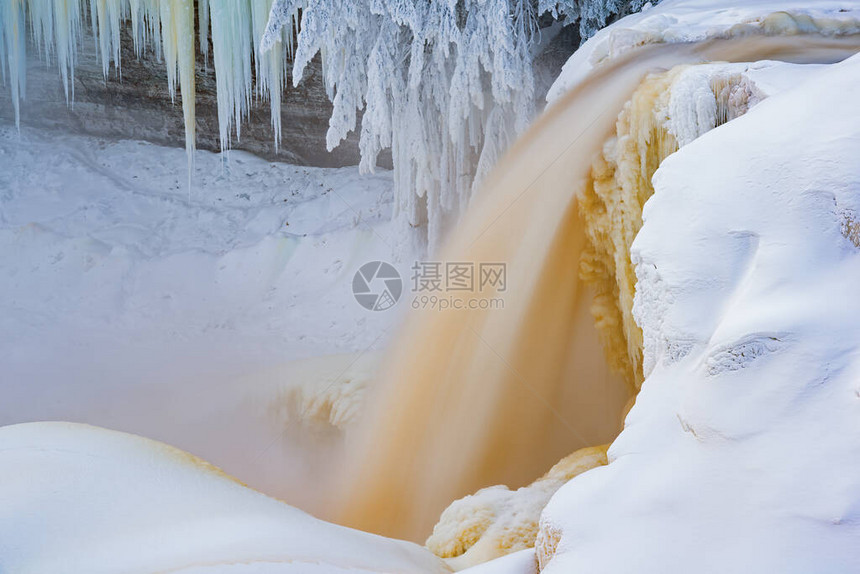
(79, 499)
(128, 304)
(678, 21)
(742, 453)
(522, 562)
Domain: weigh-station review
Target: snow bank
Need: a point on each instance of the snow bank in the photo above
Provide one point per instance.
(76, 498)
(676, 21)
(741, 453)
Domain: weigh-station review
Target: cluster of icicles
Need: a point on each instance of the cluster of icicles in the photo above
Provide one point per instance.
(165, 27)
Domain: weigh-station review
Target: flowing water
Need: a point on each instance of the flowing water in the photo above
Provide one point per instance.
(472, 398)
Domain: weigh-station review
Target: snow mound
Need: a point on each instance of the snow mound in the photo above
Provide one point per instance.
(682, 21)
(76, 498)
(742, 453)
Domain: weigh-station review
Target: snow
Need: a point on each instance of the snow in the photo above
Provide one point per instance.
(522, 562)
(76, 498)
(683, 21)
(128, 305)
(742, 450)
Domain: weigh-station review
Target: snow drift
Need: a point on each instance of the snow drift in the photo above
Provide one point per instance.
(76, 498)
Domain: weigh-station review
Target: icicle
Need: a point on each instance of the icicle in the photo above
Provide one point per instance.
(145, 26)
(232, 46)
(269, 65)
(15, 50)
(177, 39)
(67, 27)
(138, 26)
(42, 26)
(169, 44)
(107, 16)
(203, 19)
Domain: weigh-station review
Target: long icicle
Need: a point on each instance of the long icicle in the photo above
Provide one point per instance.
(232, 47)
(177, 38)
(15, 48)
(203, 23)
(269, 65)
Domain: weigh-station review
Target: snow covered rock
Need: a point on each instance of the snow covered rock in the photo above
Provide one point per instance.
(497, 521)
(668, 110)
(683, 21)
(741, 453)
(76, 498)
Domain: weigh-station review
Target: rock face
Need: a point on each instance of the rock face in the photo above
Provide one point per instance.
(137, 105)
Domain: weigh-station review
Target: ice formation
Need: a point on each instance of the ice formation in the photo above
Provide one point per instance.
(748, 441)
(237, 28)
(177, 33)
(164, 25)
(446, 86)
(668, 110)
(13, 45)
(497, 521)
(167, 27)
